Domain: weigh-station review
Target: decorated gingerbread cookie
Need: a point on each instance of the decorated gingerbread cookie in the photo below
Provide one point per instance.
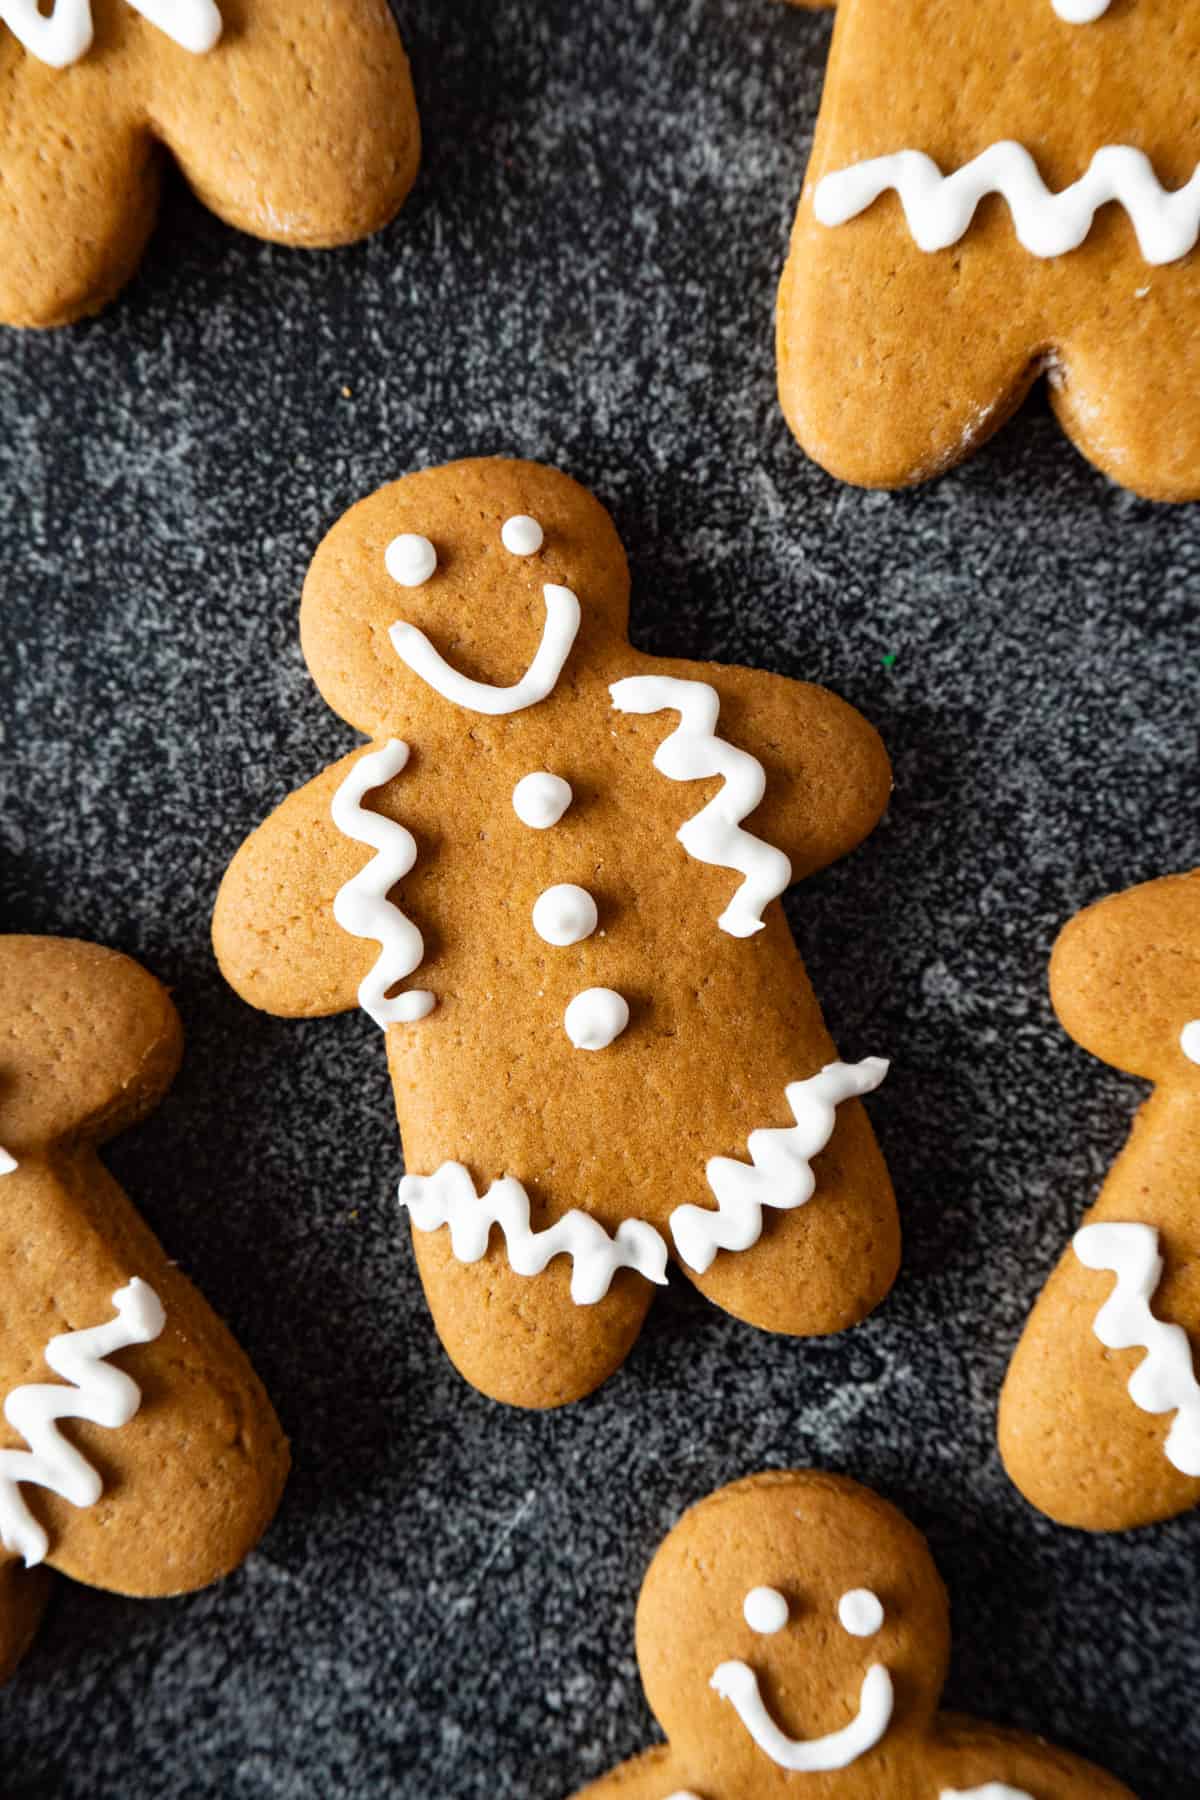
(613, 1053)
(294, 122)
(138, 1451)
(999, 192)
(1100, 1415)
(793, 1638)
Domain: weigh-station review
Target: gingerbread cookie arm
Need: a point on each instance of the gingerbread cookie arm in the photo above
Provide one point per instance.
(654, 1775)
(296, 128)
(275, 932)
(972, 1760)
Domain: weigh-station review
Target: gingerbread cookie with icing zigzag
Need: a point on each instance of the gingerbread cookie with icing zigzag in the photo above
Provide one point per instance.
(138, 1451)
(614, 1053)
(793, 1637)
(292, 122)
(995, 193)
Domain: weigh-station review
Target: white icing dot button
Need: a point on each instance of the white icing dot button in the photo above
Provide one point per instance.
(765, 1610)
(595, 1017)
(540, 800)
(521, 535)
(861, 1612)
(1189, 1040)
(564, 914)
(410, 559)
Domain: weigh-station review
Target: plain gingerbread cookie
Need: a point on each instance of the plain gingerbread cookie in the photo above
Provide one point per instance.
(599, 1016)
(793, 1637)
(294, 122)
(138, 1451)
(907, 334)
(1100, 1414)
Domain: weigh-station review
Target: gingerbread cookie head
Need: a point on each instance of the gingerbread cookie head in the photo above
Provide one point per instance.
(562, 859)
(1100, 1415)
(995, 194)
(287, 130)
(171, 1461)
(793, 1638)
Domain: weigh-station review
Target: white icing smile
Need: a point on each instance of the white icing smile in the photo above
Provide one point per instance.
(765, 1611)
(558, 634)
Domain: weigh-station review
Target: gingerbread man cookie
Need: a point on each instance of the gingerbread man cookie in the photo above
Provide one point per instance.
(614, 1051)
(998, 192)
(1100, 1414)
(793, 1637)
(138, 1451)
(296, 123)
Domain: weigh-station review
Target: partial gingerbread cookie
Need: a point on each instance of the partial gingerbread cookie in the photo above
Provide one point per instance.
(615, 1046)
(1100, 1414)
(296, 123)
(139, 1452)
(998, 192)
(793, 1638)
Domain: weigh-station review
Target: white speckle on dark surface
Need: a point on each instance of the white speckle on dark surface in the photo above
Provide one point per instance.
(585, 274)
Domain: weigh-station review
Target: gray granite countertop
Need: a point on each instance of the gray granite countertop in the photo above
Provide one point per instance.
(585, 274)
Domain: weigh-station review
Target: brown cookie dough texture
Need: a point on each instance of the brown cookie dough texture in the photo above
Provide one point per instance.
(812, 1540)
(895, 363)
(89, 1043)
(299, 126)
(1125, 981)
(718, 1025)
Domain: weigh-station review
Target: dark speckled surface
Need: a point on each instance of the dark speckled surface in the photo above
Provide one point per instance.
(444, 1609)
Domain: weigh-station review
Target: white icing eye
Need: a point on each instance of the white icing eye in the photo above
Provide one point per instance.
(861, 1612)
(765, 1610)
(1189, 1040)
(410, 559)
(521, 535)
(565, 914)
(595, 1017)
(540, 800)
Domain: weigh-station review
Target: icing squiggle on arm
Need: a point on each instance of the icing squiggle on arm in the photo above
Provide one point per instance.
(448, 1197)
(362, 906)
(781, 1174)
(714, 835)
(100, 1394)
(991, 1790)
(939, 208)
(65, 35)
(558, 634)
(1165, 1380)
(7, 1163)
(1081, 12)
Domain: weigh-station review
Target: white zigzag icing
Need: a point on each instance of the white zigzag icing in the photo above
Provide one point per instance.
(63, 36)
(448, 1197)
(362, 907)
(1165, 1380)
(102, 1395)
(940, 207)
(8, 1162)
(714, 835)
(781, 1175)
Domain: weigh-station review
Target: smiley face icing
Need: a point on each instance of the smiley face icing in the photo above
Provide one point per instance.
(553, 879)
(1100, 1415)
(959, 234)
(285, 128)
(793, 1638)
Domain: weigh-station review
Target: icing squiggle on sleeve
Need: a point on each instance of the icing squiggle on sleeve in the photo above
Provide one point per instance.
(939, 208)
(714, 835)
(780, 1170)
(558, 634)
(1165, 1380)
(448, 1197)
(100, 1394)
(362, 906)
(63, 36)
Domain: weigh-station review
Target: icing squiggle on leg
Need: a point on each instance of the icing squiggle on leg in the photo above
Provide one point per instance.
(362, 906)
(714, 835)
(781, 1174)
(448, 1197)
(102, 1395)
(1165, 1380)
(939, 208)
